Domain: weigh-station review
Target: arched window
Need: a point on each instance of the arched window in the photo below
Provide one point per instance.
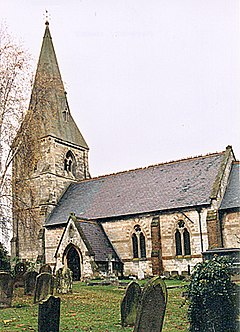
(138, 243)
(142, 245)
(178, 243)
(70, 163)
(186, 241)
(135, 245)
(182, 240)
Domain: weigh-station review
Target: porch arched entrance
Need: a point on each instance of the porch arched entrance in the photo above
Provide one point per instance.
(73, 262)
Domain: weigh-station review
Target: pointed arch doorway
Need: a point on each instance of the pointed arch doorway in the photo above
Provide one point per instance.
(73, 263)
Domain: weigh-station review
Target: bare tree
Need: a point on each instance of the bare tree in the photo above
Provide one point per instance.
(24, 146)
(15, 78)
(30, 161)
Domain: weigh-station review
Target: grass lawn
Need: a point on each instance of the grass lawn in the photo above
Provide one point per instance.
(89, 308)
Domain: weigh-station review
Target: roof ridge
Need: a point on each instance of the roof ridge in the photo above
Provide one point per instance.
(152, 166)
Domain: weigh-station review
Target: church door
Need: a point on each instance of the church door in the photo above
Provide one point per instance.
(73, 262)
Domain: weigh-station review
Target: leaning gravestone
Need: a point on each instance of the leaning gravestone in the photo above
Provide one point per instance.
(64, 281)
(130, 304)
(49, 315)
(152, 308)
(30, 282)
(44, 286)
(6, 289)
(45, 268)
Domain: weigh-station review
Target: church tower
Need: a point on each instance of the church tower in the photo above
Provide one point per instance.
(50, 154)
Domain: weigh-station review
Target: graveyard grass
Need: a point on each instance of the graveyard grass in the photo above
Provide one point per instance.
(89, 308)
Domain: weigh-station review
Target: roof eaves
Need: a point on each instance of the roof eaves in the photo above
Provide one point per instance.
(163, 211)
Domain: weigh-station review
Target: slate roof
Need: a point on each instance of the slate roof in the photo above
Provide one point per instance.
(96, 238)
(231, 197)
(173, 185)
(49, 96)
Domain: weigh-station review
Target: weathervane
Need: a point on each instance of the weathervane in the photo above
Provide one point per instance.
(47, 17)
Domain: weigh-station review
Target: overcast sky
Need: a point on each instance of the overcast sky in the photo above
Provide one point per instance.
(148, 81)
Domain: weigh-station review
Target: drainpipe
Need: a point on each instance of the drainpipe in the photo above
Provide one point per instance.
(200, 226)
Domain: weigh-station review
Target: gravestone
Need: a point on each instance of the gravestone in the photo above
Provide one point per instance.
(174, 274)
(44, 286)
(45, 268)
(49, 315)
(30, 282)
(19, 271)
(6, 289)
(166, 274)
(130, 304)
(64, 281)
(152, 307)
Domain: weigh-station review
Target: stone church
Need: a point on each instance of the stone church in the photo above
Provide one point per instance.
(141, 222)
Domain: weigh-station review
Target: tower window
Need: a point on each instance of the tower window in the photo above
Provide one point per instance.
(138, 243)
(70, 163)
(182, 240)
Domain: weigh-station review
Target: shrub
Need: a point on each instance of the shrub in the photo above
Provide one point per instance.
(4, 259)
(213, 297)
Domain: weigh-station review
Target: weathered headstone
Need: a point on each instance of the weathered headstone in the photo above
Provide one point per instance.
(30, 282)
(49, 315)
(19, 271)
(45, 268)
(64, 280)
(152, 307)
(130, 304)
(6, 289)
(44, 286)
(166, 274)
(174, 274)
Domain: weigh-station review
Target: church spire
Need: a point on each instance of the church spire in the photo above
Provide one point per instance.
(49, 97)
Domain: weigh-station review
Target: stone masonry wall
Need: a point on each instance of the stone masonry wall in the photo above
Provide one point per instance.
(44, 188)
(120, 232)
(231, 229)
(52, 238)
(168, 226)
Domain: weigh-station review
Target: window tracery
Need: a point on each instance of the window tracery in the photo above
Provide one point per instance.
(138, 243)
(70, 163)
(182, 240)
